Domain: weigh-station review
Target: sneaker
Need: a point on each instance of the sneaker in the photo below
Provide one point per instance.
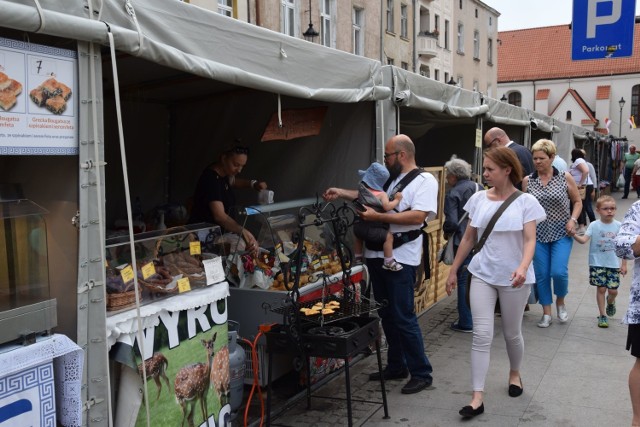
(545, 321)
(563, 316)
(389, 375)
(611, 308)
(392, 266)
(456, 327)
(602, 322)
(415, 385)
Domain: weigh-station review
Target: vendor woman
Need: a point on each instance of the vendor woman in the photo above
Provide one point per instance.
(214, 197)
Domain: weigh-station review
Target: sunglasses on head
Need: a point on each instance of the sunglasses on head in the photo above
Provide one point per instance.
(239, 150)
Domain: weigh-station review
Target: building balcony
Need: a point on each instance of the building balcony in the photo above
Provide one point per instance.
(427, 45)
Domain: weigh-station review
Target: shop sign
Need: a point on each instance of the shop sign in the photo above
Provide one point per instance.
(294, 124)
(38, 99)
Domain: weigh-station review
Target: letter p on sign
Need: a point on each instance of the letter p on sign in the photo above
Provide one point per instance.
(593, 20)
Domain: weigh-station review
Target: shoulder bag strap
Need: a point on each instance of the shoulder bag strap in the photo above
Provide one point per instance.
(494, 219)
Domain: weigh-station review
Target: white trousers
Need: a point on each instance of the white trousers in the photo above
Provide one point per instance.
(483, 298)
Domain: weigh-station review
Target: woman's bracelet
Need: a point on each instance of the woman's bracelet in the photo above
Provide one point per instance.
(574, 220)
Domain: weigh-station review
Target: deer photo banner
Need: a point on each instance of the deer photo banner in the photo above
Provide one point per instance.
(186, 359)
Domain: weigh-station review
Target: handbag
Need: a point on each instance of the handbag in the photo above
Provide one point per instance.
(583, 192)
(446, 254)
(478, 246)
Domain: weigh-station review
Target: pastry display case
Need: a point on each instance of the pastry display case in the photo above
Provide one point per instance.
(26, 308)
(167, 262)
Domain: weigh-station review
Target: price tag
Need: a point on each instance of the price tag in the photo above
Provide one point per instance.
(148, 270)
(194, 248)
(325, 259)
(184, 285)
(127, 274)
(315, 264)
(213, 270)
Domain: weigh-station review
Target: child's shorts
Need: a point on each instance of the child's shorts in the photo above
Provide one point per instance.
(633, 340)
(604, 277)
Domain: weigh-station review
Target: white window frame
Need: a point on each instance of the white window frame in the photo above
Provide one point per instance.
(225, 7)
(358, 31)
(327, 32)
(490, 51)
(390, 16)
(476, 44)
(460, 47)
(288, 20)
(446, 34)
(404, 21)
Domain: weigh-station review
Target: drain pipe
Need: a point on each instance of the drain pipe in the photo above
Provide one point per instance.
(382, 21)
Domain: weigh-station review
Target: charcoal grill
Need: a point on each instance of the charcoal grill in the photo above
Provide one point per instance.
(342, 334)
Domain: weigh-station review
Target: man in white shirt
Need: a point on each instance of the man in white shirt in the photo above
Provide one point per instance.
(419, 201)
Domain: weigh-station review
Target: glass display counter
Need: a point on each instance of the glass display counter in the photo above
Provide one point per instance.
(168, 262)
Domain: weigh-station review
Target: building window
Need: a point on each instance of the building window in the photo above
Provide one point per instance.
(390, 16)
(460, 81)
(476, 44)
(568, 116)
(436, 23)
(515, 99)
(446, 77)
(446, 34)
(476, 13)
(490, 21)
(460, 37)
(460, 4)
(404, 65)
(436, 75)
(490, 51)
(389, 61)
(424, 71)
(288, 17)
(404, 21)
(358, 32)
(635, 104)
(225, 7)
(475, 86)
(326, 8)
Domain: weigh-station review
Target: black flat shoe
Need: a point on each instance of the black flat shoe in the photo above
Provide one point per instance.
(514, 390)
(469, 412)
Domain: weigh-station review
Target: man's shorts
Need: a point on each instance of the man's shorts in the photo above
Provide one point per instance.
(604, 277)
(633, 340)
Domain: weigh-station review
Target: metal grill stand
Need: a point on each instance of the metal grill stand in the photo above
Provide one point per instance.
(342, 334)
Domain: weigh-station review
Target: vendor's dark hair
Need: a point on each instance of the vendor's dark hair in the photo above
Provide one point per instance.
(576, 153)
(506, 158)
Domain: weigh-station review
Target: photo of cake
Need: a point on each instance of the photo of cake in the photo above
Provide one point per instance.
(9, 91)
(52, 95)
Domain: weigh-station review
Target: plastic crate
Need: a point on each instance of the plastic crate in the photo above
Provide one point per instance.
(282, 364)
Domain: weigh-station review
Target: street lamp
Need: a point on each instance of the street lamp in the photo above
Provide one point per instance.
(621, 103)
(504, 98)
(311, 33)
(452, 82)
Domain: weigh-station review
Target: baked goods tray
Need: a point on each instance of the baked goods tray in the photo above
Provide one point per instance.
(345, 310)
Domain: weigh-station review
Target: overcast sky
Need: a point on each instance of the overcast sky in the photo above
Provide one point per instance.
(518, 14)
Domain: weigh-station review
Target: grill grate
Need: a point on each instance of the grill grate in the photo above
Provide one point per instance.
(346, 310)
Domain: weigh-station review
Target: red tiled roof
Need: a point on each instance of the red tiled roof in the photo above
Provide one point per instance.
(603, 92)
(545, 53)
(542, 94)
(583, 105)
(587, 122)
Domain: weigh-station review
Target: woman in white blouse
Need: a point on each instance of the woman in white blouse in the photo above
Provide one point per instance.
(502, 269)
(579, 170)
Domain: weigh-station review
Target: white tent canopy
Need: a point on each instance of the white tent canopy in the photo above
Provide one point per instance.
(178, 35)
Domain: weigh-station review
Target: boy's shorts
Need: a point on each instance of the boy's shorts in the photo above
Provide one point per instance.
(604, 277)
(633, 340)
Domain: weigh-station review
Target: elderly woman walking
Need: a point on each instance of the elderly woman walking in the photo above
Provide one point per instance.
(554, 190)
(458, 174)
(501, 269)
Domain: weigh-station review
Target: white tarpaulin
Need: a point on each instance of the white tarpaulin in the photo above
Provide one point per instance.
(207, 44)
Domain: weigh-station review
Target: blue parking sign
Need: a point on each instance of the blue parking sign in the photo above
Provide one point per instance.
(602, 29)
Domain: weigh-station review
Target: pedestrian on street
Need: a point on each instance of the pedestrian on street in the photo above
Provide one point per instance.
(579, 170)
(405, 353)
(458, 174)
(501, 269)
(604, 266)
(626, 165)
(556, 192)
(628, 247)
(496, 137)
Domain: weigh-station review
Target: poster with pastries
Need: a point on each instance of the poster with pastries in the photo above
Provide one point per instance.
(38, 99)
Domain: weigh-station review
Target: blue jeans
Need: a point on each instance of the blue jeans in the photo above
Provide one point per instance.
(465, 320)
(551, 261)
(399, 321)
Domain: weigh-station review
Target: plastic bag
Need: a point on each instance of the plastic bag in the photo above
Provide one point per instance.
(620, 182)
